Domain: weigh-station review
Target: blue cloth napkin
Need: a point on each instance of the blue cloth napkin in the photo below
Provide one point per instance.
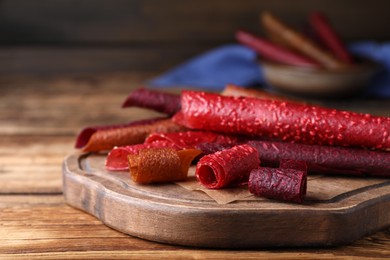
(236, 64)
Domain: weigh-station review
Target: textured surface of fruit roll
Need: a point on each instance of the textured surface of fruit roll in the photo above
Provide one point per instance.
(278, 183)
(283, 120)
(326, 159)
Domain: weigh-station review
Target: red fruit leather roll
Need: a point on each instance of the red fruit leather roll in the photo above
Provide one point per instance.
(160, 165)
(328, 36)
(209, 148)
(117, 158)
(274, 52)
(227, 167)
(282, 120)
(190, 139)
(159, 101)
(326, 159)
(285, 184)
(106, 139)
(86, 133)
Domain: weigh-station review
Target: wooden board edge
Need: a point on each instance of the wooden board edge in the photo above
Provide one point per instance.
(173, 224)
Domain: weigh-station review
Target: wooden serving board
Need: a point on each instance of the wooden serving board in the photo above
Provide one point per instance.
(338, 210)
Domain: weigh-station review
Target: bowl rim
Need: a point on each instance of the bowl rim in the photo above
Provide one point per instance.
(367, 65)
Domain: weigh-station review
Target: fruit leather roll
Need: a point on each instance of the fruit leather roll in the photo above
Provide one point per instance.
(106, 138)
(117, 158)
(298, 41)
(86, 133)
(286, 183)
(237, 91)
(161, 165)
(329, 37)
(190, 139)
(273, 52)
(282, 120)
(326, 159)
(159, 101)
(227, 167)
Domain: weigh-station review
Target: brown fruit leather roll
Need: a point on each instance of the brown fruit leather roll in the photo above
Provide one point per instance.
(237, 91)
(106, 139)
(86, 133)
(282, 120)
(155, 165)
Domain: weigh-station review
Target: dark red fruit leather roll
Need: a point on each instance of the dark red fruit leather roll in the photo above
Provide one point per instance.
(293, 164)
(279, 183)
(326, 159)
(159, 101)
(283, 120)
(227, 167)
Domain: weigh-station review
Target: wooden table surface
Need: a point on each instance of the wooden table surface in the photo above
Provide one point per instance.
(39, 120)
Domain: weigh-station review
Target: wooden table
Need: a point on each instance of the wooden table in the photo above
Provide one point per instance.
(39, 120)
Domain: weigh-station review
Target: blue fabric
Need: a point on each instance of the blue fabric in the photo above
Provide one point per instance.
(236, 64)
(380, 85)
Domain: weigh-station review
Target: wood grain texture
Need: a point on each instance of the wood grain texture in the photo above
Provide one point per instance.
(39, 118)
(44, 227)
(62, 106)
(28, 166)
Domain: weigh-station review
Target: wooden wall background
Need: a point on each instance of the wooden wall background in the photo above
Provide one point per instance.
(69, 36)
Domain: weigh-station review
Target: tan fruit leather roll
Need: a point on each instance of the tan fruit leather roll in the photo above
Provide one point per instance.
(237, 91)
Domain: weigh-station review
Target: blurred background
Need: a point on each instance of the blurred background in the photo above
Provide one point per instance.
(67, 36)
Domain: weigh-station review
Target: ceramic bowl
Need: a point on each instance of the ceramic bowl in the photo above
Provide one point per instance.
(319, 82)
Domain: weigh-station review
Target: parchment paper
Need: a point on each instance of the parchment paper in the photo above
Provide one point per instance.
(222, 196)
